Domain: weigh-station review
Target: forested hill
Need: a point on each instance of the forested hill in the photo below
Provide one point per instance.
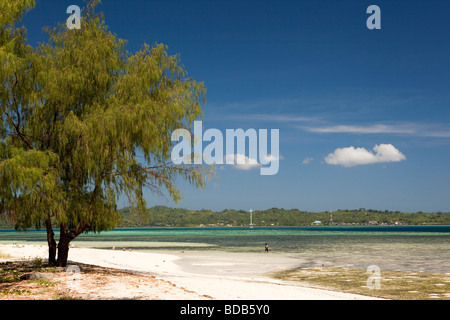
(161, 216)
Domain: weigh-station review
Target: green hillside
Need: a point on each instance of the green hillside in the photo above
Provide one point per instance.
(161, 216)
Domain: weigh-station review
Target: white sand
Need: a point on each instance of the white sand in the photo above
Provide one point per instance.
(223, 276)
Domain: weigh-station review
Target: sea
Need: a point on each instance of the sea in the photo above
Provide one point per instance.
(411, 248)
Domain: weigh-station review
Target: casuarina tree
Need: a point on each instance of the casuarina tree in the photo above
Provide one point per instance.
(85, 122)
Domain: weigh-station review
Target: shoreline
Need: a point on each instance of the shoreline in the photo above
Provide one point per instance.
(255, 227)
(192, 275)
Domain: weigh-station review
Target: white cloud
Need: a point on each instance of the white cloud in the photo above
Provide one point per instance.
(242, 162)
(307, 160)
(349, 157)
(423, 130)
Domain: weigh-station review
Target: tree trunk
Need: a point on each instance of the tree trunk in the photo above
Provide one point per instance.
(63, 253)
(63, 247)
(51, 243)
(65, 238)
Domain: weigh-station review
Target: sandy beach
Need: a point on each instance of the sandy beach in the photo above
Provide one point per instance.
(175, 275)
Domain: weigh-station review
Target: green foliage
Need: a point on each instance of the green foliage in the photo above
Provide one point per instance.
(45, 283)
(16, 291)
(9, 275)
(37, 262)
(12, 11)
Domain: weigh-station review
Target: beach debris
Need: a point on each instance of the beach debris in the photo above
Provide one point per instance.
(37, 276)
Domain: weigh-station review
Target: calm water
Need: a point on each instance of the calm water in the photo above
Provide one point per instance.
(417, 248)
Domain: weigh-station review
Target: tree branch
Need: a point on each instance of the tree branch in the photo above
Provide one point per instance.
(16, 109)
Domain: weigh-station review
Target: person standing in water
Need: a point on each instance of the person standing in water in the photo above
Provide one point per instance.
(266, 247)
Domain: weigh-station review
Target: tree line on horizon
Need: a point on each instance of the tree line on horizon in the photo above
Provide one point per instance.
(162, 216)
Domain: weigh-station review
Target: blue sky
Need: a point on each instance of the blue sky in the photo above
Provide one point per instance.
(313, 70)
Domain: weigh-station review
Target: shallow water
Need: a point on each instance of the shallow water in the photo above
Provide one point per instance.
(415, 248)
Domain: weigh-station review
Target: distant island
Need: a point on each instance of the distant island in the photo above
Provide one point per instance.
(162, 216)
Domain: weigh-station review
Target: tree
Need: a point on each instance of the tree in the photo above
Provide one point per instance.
(84, 122)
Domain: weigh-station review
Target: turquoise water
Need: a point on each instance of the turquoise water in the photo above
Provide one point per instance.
(418, 248)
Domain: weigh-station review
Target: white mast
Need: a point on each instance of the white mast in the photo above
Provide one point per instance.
(251, 223)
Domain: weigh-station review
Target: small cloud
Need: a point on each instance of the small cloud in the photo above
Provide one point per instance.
(307, 160)
(242, 162)
(349, 157)
(435, 130)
